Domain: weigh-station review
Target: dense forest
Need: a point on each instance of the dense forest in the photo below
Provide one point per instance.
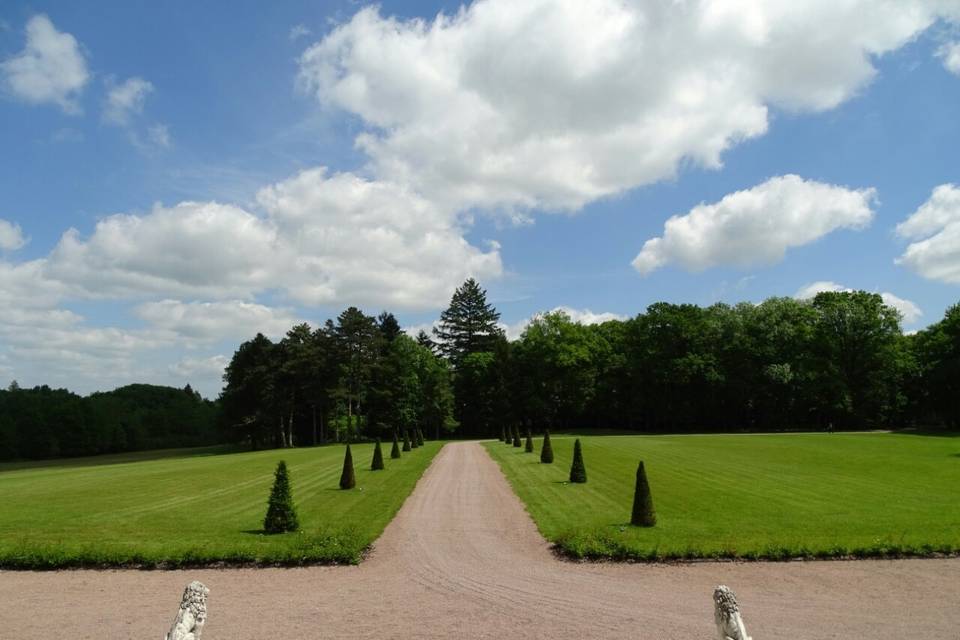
(838, 361)
(47, 423)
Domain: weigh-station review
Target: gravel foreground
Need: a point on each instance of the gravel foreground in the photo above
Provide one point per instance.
(462, 559)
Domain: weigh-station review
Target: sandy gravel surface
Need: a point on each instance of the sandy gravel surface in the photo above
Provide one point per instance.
(463, 560)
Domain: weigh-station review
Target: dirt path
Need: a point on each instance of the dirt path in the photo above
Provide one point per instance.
(463, 560)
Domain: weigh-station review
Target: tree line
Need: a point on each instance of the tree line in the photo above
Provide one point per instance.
(838, 361)
(46, 423)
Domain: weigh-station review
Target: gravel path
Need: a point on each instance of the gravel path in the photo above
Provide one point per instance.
(462, 559)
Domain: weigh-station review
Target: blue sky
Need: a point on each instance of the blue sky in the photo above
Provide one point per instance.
(538, 146)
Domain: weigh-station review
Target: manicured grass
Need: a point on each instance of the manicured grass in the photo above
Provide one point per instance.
(196, 507)
(749, 496)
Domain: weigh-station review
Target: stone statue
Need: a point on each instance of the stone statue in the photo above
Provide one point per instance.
(192, 614)
(727, 615)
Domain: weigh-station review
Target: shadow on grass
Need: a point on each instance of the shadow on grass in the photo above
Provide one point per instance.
(123, 458)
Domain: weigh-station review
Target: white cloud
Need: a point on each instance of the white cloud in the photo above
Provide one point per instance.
(935, 231)
(203, 368)
(950, 54)
(159, 135)
(298, 31)
(358, 241)
(555, 103)
(11, 236)
(126, 100)
(908, 309)
(581, 316)
(211, 321)
(757, 225)
(50, 69)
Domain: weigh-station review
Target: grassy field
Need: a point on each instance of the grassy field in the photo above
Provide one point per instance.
(750, 496)
(191, 507)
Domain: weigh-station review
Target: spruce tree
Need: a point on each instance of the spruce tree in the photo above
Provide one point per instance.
(529, 443)
(406, 440)
(578, 473)
(377, 464)
(516, 437)
(643, 514)
(546, 449)
(468, 325)
(281, 514)
(395, 451)
(347, 478)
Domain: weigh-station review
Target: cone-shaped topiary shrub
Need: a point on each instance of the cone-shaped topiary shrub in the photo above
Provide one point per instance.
(578, 473)
(528, 446)
(406, 440)
(395, 451)
(643, 514)
(516, 437)
(413, 440)
(347, 479)
(419, 437)
(546, 449)
(503, 434)
(281, 514)
(377, 464)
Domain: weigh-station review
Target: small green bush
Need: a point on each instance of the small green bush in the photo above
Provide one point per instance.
(528, 447)
(281, 514)
(578, 473)
(406, 440)
(643, 514)
(395, 451)
(347, 479)
(546, 449)
(377, 464)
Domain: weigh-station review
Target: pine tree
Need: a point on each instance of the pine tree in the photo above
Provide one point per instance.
(546, 449)
(516, 437)
(377, 464)
(395, 451)
(281, 514)
(468, 325)
(347, 478)
(528, 448)
(643, 514)
(406, 440)
(578, 473)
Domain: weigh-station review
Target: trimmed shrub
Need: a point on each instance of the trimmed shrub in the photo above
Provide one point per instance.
(529, 443)
(395, 451)
(377, 464)
(516, 437)
(406, 440)
(419, 437)
(347, 479)
(578, 473)
(643, 514)
(413, 440)
(281, 514)
(503, 434)
(546, 449)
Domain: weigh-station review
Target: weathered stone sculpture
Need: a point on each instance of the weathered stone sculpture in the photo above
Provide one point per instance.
(192, 614)
(727, 615)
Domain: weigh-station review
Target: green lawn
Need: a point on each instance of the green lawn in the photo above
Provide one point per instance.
(197, 507)
(749, 496)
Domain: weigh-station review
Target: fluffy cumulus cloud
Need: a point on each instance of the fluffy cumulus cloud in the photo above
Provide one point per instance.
(11, 236)
(581, 316)
(126, 100)
(934, 229)
(212, 321)
(50, 69)
(555, 103)
(757, 225)
(909, 311)
(950, 54)
(200, 368)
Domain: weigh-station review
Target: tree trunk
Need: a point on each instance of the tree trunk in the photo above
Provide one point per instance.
(290, 429)
(280, 434)
(313, 408)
